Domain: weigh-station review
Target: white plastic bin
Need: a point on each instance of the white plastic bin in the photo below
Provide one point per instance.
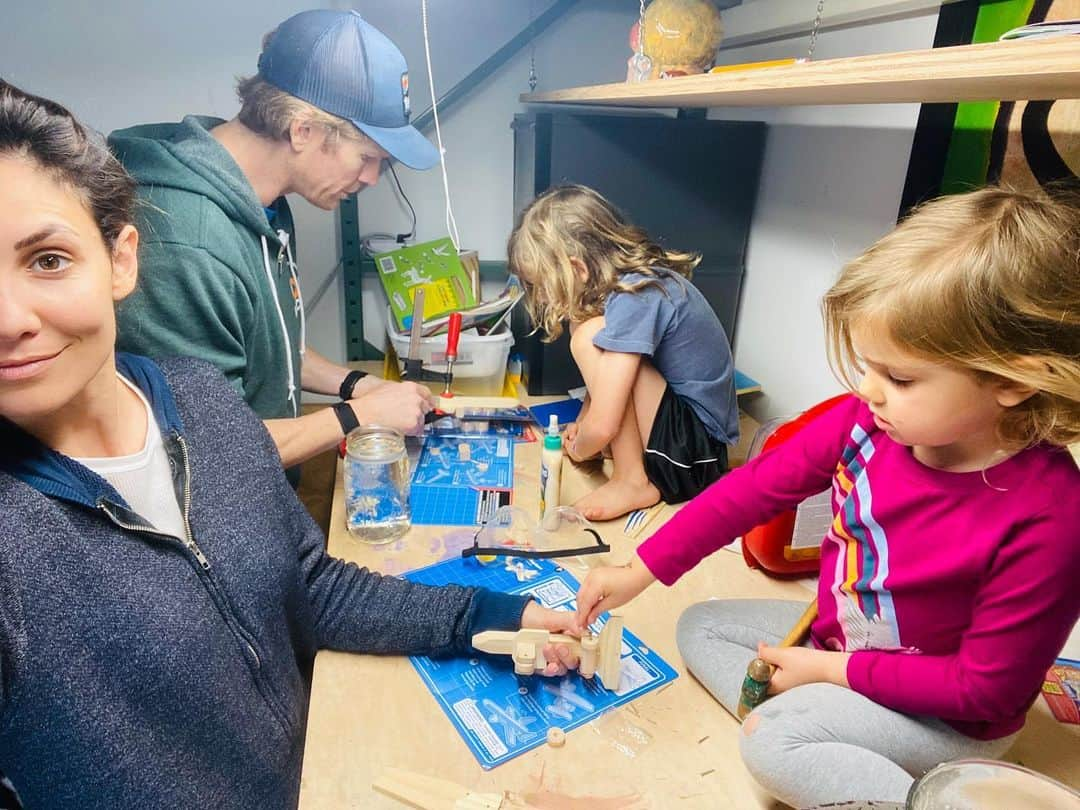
(480, 368)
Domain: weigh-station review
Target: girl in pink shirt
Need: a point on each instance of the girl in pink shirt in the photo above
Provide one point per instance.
(947, 581)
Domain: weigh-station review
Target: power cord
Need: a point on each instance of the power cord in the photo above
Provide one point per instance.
(404, 237)
(451, 223)
(367, 242)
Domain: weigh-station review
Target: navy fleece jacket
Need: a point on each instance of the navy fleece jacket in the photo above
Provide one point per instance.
(139, 669)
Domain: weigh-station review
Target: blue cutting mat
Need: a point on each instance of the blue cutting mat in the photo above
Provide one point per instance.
(500, 714)
(447, 491)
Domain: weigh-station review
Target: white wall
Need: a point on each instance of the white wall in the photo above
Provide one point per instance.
(134, 61)
(831, 183)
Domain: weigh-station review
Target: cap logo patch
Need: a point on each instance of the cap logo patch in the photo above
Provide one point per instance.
(405, 95)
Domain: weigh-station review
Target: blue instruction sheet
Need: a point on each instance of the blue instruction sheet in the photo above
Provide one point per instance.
(461, 482)
(500, 714)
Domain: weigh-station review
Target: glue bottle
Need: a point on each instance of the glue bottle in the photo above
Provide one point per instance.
(550, 475)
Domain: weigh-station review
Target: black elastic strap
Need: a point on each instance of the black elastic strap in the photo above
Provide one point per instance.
(509, 551)
(346, 417)
(349, 383)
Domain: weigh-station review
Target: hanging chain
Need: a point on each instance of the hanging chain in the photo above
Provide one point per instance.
(641, 30)
(532, 53)
(814, 30)
(640, 64)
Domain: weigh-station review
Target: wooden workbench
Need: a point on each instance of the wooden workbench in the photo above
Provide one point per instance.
(674, 747)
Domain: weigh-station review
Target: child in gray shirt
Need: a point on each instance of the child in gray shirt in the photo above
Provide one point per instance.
(654, 357)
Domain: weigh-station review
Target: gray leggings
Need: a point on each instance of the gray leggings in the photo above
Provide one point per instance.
(817, 743)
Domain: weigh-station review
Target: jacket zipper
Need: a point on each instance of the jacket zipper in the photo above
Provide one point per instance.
(262, 685)
(189, 544)
(185, 507)
(188, 541)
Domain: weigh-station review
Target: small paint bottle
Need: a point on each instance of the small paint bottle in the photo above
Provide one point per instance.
(550, 475)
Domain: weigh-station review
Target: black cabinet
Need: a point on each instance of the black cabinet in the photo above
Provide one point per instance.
(690, 182)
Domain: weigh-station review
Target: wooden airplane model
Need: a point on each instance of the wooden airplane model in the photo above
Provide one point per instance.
(599, 654)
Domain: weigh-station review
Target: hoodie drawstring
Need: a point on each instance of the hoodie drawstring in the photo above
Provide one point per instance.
(284, 329)
(284, 237)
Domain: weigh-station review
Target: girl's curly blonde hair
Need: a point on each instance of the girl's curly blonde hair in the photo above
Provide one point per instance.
(575, 222)
(987, 281)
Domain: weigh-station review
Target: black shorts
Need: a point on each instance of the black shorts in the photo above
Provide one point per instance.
(682, 458)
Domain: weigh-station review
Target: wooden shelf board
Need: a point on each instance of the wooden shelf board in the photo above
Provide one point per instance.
(1033, 69)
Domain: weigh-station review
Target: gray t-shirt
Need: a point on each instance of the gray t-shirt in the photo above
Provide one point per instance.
(677, 329)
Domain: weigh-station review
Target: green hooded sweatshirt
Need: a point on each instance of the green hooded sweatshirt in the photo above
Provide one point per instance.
(217, 279)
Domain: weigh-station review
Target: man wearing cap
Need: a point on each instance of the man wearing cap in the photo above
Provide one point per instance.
(218, 275)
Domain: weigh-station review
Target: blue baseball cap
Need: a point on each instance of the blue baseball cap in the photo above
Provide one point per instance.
(348, 68)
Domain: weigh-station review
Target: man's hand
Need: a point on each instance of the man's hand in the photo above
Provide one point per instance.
(606, 588)
(796, 666)
(560, 657)
(399, 405)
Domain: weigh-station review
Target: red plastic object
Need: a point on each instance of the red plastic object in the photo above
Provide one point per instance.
(453, 332)
(768, 546)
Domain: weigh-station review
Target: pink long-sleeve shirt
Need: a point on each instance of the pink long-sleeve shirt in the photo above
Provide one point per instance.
(953, 591)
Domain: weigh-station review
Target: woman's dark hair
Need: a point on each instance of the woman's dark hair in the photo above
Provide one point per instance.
(43, 131)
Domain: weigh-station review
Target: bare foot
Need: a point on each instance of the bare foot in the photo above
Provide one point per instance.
(617, 497)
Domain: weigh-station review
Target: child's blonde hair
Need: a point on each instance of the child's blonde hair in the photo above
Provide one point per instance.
(575, 222)
(987, 281)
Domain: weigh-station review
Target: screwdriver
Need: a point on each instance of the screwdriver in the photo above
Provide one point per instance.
(453, 332)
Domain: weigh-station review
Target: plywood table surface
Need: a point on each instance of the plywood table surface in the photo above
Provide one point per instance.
(674, 747)
(371, 713)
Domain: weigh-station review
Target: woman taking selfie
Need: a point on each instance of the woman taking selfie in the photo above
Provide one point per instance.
(162, 591)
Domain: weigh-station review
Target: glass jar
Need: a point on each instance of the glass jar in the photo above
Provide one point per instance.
(987, 784)
(376, 484)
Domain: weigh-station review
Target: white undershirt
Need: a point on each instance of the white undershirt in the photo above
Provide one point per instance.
(144, 479)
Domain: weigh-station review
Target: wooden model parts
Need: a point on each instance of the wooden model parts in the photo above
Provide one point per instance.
(431, 793)
(609, 663)
(587, 665)
(556, 737)
(598, 655)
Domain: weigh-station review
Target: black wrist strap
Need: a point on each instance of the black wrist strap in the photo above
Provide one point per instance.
(346, 417)
(349, 383)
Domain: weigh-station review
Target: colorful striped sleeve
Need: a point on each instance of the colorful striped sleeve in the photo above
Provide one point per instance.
(750, 495)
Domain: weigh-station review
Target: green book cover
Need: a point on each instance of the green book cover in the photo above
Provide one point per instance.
(436, 267)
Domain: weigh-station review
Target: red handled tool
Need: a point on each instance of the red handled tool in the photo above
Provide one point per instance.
(453, 332)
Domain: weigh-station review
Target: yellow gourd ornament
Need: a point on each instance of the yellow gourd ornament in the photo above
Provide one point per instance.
(681, 36)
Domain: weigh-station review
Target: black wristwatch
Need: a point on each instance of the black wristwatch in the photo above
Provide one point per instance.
(346, 417)
(349, 383)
